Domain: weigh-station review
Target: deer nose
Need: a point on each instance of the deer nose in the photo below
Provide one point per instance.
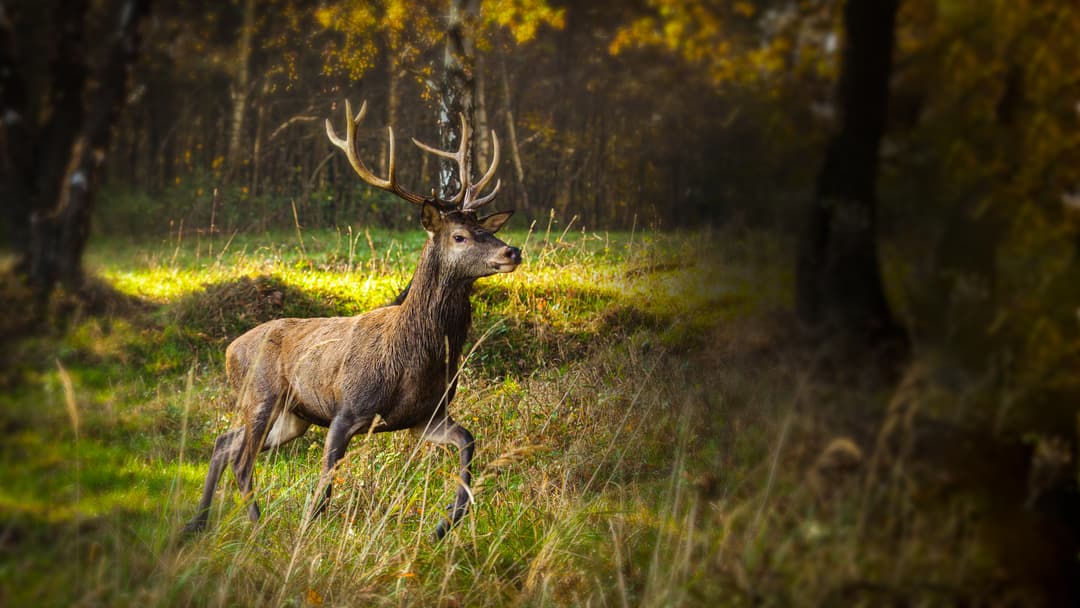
(514, 254)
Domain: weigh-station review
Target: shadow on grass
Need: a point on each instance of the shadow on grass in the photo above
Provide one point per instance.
(521, 344)
(33, 331)
(223, 311)
(27, 316)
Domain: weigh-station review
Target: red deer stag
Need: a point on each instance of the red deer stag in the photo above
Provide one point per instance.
(389, 369)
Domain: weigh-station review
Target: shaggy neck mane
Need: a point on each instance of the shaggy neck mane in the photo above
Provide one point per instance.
(438, 302)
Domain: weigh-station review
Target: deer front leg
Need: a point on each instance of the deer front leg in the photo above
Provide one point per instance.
(446, 431)
(342, 429)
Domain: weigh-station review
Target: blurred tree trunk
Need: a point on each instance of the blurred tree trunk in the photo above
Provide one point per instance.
(17, 150)
(481, 138)
(256, 149)
(838, 275)
(241, 89)
(55, 195)
(511, 131)
(393, 92)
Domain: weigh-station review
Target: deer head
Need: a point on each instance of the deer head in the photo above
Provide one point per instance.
(466, 242)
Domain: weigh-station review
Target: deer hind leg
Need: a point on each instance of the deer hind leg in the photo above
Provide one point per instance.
(446, 431)
(255, 434)
(285, 427)
(225, 449)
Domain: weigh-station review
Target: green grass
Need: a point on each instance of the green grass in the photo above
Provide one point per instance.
(635, 398)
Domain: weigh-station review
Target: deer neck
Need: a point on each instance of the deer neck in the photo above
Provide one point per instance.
(437, 300)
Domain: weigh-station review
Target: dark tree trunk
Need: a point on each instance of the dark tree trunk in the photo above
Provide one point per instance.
(838, 278)
(71, 151)
(16, 164)
(36, 156)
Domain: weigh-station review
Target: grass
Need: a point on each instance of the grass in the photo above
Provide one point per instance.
(640, 406)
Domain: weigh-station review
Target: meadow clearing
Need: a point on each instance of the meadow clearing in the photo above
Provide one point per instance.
(652, 430)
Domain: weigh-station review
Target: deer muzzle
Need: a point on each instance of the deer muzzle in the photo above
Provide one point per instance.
(507, 260)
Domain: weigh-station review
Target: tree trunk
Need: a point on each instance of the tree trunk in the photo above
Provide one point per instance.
(393, 94)
(16, 165)
(241, 89)
(838, 278)
(456, 95)
(68, 71)
(60, 223)
(256, 149)
(482, 137)
(511, 132)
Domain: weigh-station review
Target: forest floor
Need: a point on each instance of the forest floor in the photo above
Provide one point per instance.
(653, 429)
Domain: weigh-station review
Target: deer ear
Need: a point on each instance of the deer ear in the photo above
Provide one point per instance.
(431, 219)
(493, 222)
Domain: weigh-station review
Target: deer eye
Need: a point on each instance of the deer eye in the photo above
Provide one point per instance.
(459, 238)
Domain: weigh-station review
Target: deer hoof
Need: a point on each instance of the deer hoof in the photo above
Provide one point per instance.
(442, 529)
(192, 528)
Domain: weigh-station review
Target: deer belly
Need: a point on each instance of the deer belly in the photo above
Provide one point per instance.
(286, 427)
(414, 408)
(309, 404)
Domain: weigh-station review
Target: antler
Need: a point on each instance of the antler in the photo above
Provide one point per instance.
(349, 146)
(465, 199)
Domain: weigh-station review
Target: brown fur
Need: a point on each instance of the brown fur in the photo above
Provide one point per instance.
(393, 367)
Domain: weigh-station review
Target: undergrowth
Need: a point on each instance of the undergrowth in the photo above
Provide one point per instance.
(651, 432)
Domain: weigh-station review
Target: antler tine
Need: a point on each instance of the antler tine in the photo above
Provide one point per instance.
(391, 174)
(470, 201)
(348, 145)
(461, 156)
(480, 202)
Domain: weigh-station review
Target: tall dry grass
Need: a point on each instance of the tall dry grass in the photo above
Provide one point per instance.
(652, 432)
